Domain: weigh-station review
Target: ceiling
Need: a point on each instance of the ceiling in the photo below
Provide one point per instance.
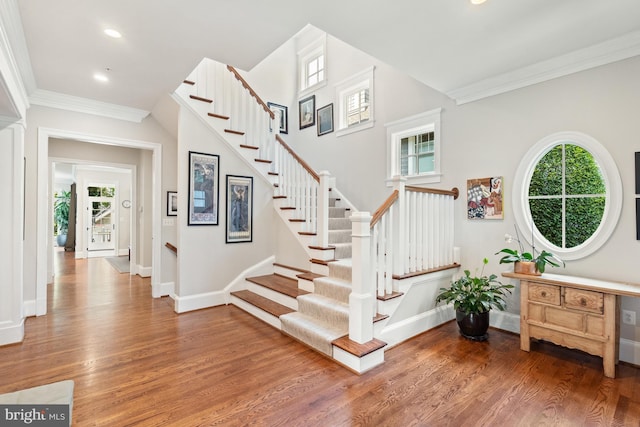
(450, 45)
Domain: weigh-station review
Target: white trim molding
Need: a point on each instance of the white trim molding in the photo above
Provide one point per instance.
(599, 54)
(61, 101)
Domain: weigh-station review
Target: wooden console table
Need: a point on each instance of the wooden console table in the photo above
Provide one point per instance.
(573, 312)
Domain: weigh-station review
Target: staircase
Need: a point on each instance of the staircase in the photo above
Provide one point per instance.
(320, 305)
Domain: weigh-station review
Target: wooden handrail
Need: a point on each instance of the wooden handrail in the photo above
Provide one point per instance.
(171, 247)
(379, 213)
(251, 91)
(453, 192)
(298, 159)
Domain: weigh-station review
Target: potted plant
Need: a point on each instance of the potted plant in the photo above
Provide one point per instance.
(61, 215)
(527, 262)
(473, 297)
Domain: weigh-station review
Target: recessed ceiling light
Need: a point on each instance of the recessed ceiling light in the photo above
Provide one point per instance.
(112, 33)
(477, 1)
(101, 77)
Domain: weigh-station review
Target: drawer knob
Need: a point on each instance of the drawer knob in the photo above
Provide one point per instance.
(544, 294)
(583, 302)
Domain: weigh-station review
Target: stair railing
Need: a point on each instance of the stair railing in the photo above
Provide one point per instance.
(300, 184)
(410, 234)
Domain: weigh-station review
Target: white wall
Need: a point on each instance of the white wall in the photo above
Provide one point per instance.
(490, 137)
(484, 138)
(206, 263)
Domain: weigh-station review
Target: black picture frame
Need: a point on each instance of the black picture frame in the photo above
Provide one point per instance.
(284, 115)
(306, 112)
(204, 188)
(325, 119)
(172, 203)
(239, 227)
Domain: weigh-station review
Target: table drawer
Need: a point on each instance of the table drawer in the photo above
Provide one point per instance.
(578, 299)
(544, 293)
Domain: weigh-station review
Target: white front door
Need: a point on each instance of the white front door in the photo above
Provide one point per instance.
(101, 220)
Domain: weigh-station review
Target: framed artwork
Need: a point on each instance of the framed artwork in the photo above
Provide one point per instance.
(306, 111)
(325, 119)
(172, 203)
(204, 191)
(484, 198)
(284, 119)
(239, 209)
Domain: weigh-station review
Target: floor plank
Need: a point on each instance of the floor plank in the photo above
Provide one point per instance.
(136, 362)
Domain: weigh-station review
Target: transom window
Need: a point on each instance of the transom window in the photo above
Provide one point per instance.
(315, 71)
(567, 195)
(413, 148)
(312, 66)
(358, 107)
(417, 154)
(355, 103)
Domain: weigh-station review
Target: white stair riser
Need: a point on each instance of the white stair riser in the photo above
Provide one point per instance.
(273, 295)
(256, 312)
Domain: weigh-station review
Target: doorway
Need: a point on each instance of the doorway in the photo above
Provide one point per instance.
(102, 219)
(44, 242)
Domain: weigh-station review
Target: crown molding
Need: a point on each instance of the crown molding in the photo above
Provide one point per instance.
(599, 54)
(61, 101)
(15, 66)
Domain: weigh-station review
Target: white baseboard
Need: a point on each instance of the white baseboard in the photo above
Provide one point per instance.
(505, 321)
(142, 271)
(415, 325)
(123, 252)
(199, 301)
(163, 289)
(212, 299)
(11, 333)
(630, 351)
(29, 308)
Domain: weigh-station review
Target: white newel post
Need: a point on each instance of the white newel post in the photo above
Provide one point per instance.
(399, 228)
(361, 300)
(323, 209)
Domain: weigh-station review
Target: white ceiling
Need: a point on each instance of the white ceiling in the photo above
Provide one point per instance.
(450, 45)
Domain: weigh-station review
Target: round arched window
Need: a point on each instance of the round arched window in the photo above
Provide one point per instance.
(567, 194)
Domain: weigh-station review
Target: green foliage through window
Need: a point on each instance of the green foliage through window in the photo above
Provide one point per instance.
(567, 195)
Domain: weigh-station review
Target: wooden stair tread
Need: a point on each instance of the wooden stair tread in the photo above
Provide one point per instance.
(278, 283)
(264, 304)
(309, 276)
(273, 173)
(263, 161)
(218, 116)
(357, 349)
(235, 132)
(189, 82)
(390, 296)
(301, 270)
(250, 147)
(378, 317)
(321, 248)
(199, 98)
(321, 261)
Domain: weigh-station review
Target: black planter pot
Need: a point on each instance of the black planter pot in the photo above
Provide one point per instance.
(473, 326)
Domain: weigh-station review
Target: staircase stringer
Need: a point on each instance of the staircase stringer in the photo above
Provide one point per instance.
(229, 139)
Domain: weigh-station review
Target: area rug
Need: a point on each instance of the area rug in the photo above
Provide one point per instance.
(120, 263)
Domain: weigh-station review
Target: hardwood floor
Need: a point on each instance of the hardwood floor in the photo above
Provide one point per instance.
(137, 363)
